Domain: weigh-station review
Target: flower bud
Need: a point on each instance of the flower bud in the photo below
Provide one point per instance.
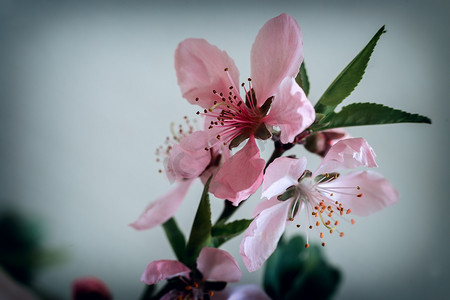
(90, 288)
(320, 142)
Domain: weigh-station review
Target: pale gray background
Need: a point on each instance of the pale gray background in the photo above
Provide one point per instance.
(88, 91)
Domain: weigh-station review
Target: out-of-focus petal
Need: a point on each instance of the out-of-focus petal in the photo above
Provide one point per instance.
(219, 265)
(10, 289)
(261, 237)
(163, 208)
(242, 292)
(290, 110)
(347, 154)
(276, 53)
(282, 173)
(188, 159)
(163, 269)
(240, 176)
(376, 192)
(200, 70)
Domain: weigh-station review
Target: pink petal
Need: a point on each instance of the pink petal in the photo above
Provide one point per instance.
(200, 70)
(219, 154)
(265, 204)
(282, 173)
(290, 110)
(242, 292)
(276, 53)
(377, 192)
(163, 208)
(188, 159)
(347, 154)
(240, 176)
(219, 265)
(162, 269)
(261, 237)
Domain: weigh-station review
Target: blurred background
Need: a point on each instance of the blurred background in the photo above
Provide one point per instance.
(88, 91)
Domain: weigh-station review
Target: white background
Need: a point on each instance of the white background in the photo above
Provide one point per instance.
(88, 92)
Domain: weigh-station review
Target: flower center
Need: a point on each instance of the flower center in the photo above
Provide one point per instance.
(318, 204)
(186, 288)
(236, 119)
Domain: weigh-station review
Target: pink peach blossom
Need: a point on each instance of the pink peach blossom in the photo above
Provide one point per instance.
(213, 265)
(322, 195)
(209, 78)
(187, 160)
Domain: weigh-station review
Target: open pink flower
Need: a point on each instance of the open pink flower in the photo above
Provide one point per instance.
(213, 265)
(187, 160)
(322, 195)
(209, 78)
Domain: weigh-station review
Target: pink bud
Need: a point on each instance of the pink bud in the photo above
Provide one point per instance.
(320, 142)
(90, 288)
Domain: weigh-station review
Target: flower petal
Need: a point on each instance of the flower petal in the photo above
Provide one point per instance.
(200, 70)
(219, 265)
(375, 190)
(282, 173)
(242, 292)
(261, 237)
(240, 176)
(162, 269)
(276, 53)
(290, 110)
(265, 204)
(188, 159)
(163, 208)
(347, 154)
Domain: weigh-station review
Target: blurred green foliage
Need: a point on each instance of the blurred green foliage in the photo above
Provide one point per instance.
(295, 272)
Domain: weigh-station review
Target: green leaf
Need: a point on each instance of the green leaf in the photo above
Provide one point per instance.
(201, 229)
(348, 79)
(357, 114)
(175, 237)
(294, 272)
(302, 79)
(224, 232)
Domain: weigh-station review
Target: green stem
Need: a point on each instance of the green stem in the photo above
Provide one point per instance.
(228, 210)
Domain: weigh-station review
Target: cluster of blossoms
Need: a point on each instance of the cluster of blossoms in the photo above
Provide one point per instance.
(270, 105)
